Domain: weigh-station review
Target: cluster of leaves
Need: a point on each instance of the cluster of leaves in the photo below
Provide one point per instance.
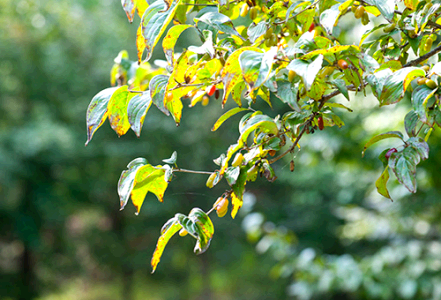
(286, 49)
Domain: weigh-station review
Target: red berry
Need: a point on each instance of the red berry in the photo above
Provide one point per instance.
(211, 90)
(343, 64)
(389, 153)
(311, 28)
(320, 123)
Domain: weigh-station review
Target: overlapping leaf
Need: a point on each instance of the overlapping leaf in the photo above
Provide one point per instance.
(117, 110)
(256, 66)
(307, 70)
(226, 116)
(137, 109)
(170, 39)
(157, 88)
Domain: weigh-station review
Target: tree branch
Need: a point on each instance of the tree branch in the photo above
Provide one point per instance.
(423, 57)
(191, 171)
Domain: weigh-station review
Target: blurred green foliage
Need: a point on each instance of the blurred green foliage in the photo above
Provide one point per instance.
(321, 232)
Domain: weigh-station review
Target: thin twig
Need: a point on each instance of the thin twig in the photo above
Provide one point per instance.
(423, 57)
(191, 171)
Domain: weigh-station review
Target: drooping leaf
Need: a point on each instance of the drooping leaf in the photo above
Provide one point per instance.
(168, 230)
(129, 7)
(307, 70)
(170, 39)
(404, 167)
(137, 109)
(154, 22)
(157, 92)
(125, 183)
(141, 6)
(140, 43)
(420, 96)
(341, 86)
(381, 183)
(420, 146)
(382, 136)
(410, 123)
(287, 92)
(226, 116)
(97, 111)
(268, 171)
(231, 174)
(207, 47)
(148, 179)
(256, 66)
(392, 91)
(377, 81)
(117, 110)
(231, 73)
(256, 30)
(338, 105)
(199, 225)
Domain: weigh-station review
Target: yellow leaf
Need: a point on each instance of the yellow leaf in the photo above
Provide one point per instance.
(117, 110)
(237, 203)
(162, 242)
(140, 43)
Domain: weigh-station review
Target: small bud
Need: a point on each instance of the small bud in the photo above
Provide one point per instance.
(291, 166)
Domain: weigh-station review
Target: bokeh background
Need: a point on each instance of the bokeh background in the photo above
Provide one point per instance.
(321, 232)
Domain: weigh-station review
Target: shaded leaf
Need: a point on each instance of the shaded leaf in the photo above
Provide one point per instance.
(410, 123)
(392, 91)
(404, 167)
(420, 96)
(287, 92)
(381, 183)
(341, 86)
(157, 92)
(172, 159)
(231, 174)
(387, 135)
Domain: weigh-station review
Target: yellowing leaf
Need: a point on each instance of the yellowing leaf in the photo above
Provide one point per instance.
(148, 179)
(129, 7)
(170, 39)
(140, 43)
(231, 73)
(237, 203)
(117, 110)
(168, 230)
(226, 116)
(381, 182)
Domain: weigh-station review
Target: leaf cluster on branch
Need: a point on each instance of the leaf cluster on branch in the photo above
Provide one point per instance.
(258, 50)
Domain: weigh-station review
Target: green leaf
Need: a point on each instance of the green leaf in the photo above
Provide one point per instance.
(386, 7)
(410, 123)
(232, 73)
(262, 122)
(226, 116)
(172, 159)
(404, 167)
(381, 183)
(220, 22)
(170, 39)
(341, 86)
(420, 146)
(231, 174)
(308, 71)
(126, 181)
(256, 66)
(157, 92)
(154, 22)
(129, 7)
(420, 95)
(97, 111)
(256, 30)
(204, 229)
(148, 179)
(338, 105)
(387, 135)
(168, 230)
(369, 63)
(287, 92)
(268, 171)
(377, 81)
(393, 88)
(329, 18)
(137, 109)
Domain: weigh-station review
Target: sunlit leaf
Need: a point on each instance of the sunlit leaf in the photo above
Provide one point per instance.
(97, 111)
(125, 183)
(386, 7)
(231, 73)
(392, 91)
(329, 18)
(170, 39)
(140, 43)
(137, 109)
(141, 6)
(387, 135)
(263, 122)
(154, 22)
(420, 96)
(220, 22)
(237, 203)
(148, 179)
(307, 70)
(256, 66)
(117, 110)
(168, 230)
(172, 159)
(198, 225)
(226, 116)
